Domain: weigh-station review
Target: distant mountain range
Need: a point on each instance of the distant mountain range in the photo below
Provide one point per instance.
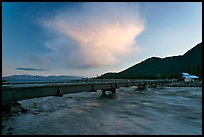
(169, 67)
(40, 78)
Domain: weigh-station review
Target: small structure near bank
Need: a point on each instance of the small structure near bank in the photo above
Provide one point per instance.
(188, 78)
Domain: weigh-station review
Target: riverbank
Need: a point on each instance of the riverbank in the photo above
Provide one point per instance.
(186, 84)
(9, 111)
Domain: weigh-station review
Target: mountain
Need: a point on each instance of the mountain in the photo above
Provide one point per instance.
(169, 67)
(40, 78)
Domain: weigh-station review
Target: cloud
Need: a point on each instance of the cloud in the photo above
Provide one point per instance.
(31, 69)
(95, 35)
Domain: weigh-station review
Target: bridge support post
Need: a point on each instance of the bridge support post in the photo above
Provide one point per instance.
(59, 93)
(103, 92)
(113, 90)
(92, 88)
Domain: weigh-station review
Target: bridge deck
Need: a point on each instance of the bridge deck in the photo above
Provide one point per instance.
(17, 93)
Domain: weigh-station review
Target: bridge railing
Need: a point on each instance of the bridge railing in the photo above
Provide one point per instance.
(26, 91)
(30, 83)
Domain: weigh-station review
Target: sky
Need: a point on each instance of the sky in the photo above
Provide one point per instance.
(92, 38)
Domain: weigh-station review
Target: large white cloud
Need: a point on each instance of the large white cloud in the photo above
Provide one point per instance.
(95, 35)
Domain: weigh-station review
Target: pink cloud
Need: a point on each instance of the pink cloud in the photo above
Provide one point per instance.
(102, 33)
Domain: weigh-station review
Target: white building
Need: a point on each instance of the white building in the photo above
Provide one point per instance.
(187, 77)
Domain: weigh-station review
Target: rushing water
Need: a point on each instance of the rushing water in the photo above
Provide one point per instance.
(130, 111)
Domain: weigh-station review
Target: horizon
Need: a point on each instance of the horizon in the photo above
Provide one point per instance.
(78, 39)
(101, 74)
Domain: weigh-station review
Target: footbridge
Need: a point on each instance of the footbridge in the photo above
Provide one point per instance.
(27, 90)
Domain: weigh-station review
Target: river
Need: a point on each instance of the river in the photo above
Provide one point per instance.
(157, 111)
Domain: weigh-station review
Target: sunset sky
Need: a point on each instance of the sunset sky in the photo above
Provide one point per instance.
(89, 39)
